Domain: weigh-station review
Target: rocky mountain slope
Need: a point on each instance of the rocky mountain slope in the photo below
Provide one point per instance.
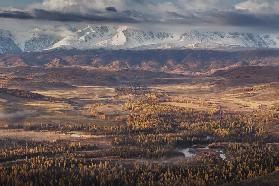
(187, 61)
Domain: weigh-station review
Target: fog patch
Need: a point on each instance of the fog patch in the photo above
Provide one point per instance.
(17, 114)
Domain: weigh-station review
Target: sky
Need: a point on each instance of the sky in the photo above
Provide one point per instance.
(17, 3)
(252, 14)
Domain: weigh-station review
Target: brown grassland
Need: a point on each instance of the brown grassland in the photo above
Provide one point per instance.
(220, 129)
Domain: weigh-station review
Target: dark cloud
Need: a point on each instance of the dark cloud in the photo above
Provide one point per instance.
(110, 14)
(16, 15)
(241, 19)
(111, 9)
(218, 18)
(67, 17)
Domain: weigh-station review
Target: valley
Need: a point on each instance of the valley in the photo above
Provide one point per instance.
(139, 93)
(126, 125)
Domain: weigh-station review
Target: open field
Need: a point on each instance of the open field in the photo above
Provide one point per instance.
(204, 96)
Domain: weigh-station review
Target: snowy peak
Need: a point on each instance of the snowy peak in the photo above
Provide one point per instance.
(90, 36)
(119, 39)
(140, 38)
(211, 40)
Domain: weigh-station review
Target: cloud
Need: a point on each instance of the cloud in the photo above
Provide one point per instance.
(203, 5)
(269, 21)
(111, 9)
(68, 16)
(259, 6)
(240, 13)
(144, 6)
(80, 6)
(211, 18)
(228, 18)
(17, 14)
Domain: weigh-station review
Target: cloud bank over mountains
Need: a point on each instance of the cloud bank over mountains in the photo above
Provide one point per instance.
(263, 14)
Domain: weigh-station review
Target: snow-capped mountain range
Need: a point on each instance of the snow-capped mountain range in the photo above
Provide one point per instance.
(39, 38)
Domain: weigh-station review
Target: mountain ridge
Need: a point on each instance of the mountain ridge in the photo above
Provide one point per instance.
(187, 62)
(85, 37)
